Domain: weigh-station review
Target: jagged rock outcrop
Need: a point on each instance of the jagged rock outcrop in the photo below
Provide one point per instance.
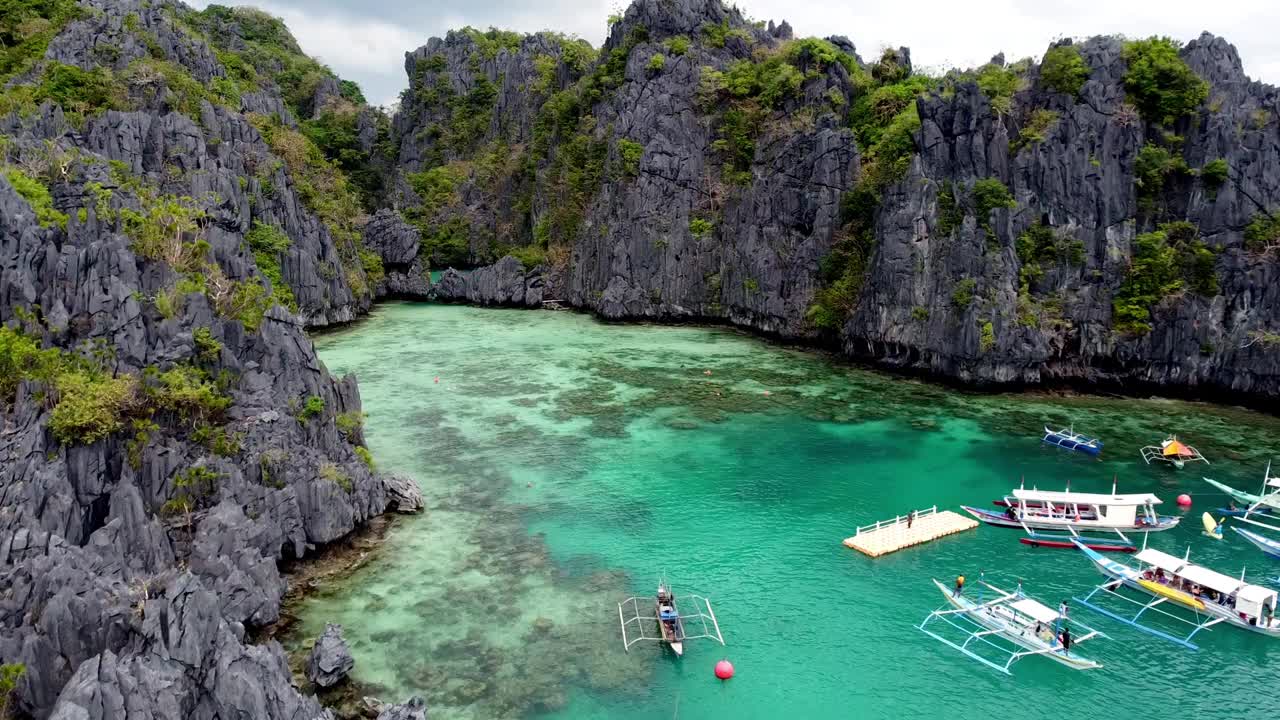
(397, 243)
(330, 661)
(504, 283)
(403, 494)
(177, 436)
(672, 178)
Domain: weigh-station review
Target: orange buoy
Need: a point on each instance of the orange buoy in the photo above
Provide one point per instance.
(724, 669)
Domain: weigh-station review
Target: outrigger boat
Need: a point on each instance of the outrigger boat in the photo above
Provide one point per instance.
(1071, 440)
(1265, 544)
(1260, 506)
(667, 625)
(1029, 626)
(1212, 597)
(1267, 500)
(1174, 452)
(1075, 513)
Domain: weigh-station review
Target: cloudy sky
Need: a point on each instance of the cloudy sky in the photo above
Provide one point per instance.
(365, 40)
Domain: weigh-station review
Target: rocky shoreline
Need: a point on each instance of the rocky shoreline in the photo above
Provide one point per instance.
(507, 284)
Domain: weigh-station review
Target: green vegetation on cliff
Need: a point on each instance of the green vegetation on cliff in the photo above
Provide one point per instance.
(1159, 82)
(1063, 70)
(26, 27)
(1169, 260)
(885, 120)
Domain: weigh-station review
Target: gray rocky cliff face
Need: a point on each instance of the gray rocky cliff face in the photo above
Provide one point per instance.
(1080, 182)
(135, 560)
(397, 243)
(630, 195)
(505, 283)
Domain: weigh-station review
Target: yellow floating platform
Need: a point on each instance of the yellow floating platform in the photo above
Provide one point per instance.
(904, 531)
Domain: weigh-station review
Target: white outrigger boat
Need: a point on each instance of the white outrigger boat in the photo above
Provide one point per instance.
(1029, 626)
(1074, 512)
(1212, 597)
(668, 624)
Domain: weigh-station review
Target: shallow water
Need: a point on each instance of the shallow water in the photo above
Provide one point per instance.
(569, 464)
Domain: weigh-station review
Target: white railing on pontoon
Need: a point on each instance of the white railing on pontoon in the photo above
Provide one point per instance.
(899, 519)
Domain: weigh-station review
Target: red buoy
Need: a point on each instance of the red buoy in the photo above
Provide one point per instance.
(1184, 500)
(724, 669)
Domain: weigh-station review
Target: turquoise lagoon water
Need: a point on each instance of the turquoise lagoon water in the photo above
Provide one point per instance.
(569, 464)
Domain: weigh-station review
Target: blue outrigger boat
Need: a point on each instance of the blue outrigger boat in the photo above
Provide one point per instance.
(1069, 439)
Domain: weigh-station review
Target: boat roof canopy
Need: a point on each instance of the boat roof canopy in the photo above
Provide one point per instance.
(1174, 448)
(1162, 560)
(1204, 577)
(1086, 498)
(1035, 610)
(1254, 593)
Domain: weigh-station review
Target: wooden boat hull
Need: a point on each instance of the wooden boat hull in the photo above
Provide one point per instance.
(1241, 512)
(1008, 632)
(1067, 543)
(1265, 544)
(1002, 520)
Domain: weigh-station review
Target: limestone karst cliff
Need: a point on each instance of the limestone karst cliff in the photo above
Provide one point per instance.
(1103, 217)
(183, 194)
(168, 228)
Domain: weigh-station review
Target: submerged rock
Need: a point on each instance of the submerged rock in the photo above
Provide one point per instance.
(415, 708)
(330, 661)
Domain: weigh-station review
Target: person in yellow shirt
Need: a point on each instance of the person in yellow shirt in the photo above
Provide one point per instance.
(959, 586)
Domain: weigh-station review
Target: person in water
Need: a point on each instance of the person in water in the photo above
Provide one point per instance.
(959, 586)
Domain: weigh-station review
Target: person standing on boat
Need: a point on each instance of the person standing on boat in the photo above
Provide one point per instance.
(1062, 609)
(959, 586)
(1066, 640)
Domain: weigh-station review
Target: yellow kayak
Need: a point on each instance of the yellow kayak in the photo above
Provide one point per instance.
(1211, 528)
(1177, 596)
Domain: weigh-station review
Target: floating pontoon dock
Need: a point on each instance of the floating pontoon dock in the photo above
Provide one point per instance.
(904, 531)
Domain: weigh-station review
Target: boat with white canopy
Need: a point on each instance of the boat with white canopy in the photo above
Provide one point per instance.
(1170, 581)
(998, 628)
(1074, 512)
